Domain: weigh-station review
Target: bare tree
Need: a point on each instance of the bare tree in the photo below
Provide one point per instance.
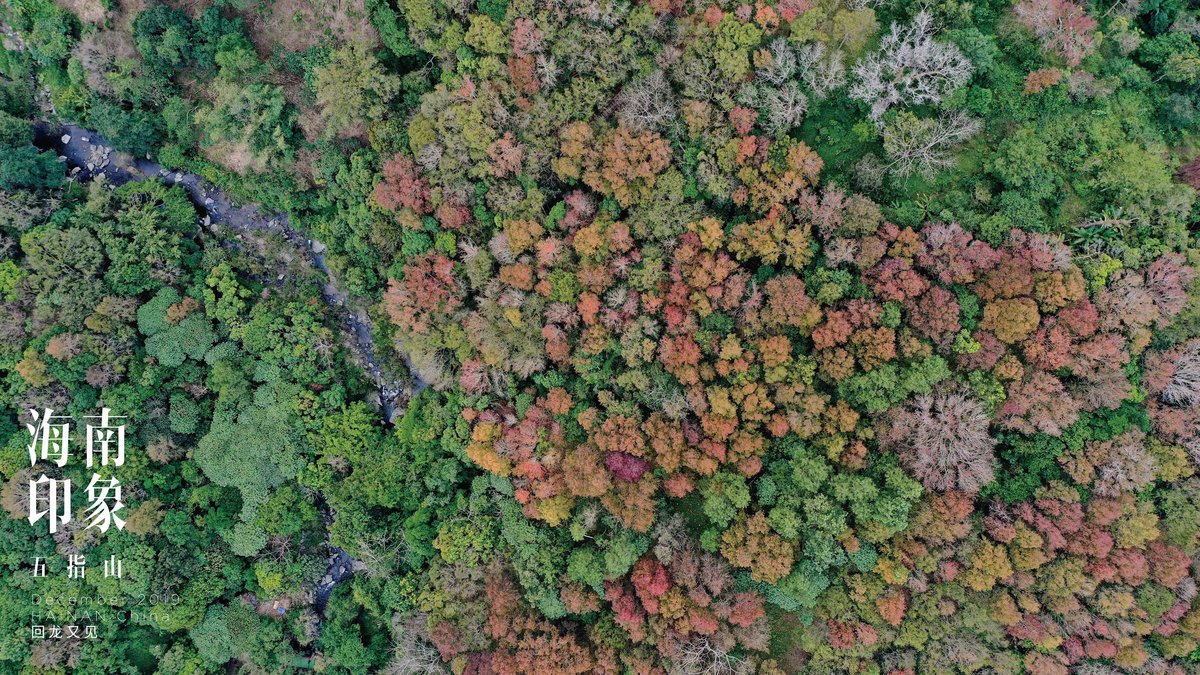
(701, 656)
(910, 68)
(21, 210)
(1083, 86)
(647, 104)
(429, 156)
(432, 367)
(1063, 26)
(784, 106)
(942, 438)
(278, 548)
(1184, 388)
(102, 53)
(923, 145)
(412, 654)
(821, 69)
(378, 553)
(868, 173)
(781, 66)
(697, 78)
(14, 494)
(1121, 464)
(547, 70)
(670, 535)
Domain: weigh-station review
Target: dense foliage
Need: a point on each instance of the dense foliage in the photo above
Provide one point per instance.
(816, 336)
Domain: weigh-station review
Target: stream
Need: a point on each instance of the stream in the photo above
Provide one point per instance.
(91, 157)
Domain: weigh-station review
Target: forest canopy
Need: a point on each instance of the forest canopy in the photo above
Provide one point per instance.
(796, 336)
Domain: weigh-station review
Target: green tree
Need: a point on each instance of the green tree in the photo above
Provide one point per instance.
(354, 88)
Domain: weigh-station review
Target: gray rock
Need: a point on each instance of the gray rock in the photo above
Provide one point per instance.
(66, 138)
